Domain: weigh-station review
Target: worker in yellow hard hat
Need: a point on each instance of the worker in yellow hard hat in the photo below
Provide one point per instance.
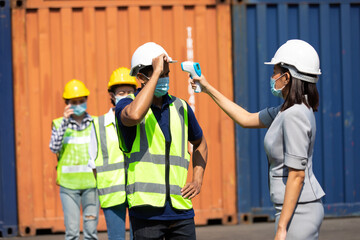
(70, 142)
(120, 85)
(106, 158)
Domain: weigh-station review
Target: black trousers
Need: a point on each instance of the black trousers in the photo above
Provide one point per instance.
(158, 229)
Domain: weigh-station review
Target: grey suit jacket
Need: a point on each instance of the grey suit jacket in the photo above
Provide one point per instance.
(289, 142)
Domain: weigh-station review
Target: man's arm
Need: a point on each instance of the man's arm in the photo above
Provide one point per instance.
(200, 153)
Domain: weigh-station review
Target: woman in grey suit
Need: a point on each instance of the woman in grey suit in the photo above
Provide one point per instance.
(289, 141)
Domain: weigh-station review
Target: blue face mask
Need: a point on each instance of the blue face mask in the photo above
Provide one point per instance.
(79, 109)
(276, 92)
(118, 98)
(162, 87)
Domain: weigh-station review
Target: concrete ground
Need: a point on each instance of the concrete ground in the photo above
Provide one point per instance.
(331, 229)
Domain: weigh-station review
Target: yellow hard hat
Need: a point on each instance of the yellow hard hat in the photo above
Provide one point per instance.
(121, 76)
(74, 89)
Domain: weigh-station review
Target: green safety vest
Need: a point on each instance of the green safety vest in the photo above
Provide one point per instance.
(72, 169)
(110, 177)
(156, 169)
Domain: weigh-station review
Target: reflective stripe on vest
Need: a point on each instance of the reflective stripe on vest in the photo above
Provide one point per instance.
(76, 169)
(76, 140)
(109, 166)
(72, 169)
(152, 188)
(147, 165)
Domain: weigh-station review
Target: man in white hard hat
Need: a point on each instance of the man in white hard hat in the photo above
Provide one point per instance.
(154, 128)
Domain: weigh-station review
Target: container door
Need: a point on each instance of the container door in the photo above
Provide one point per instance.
(55, 41)
(259, 28)
(8, 206)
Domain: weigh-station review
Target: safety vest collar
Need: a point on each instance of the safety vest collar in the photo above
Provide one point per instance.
(109, 118)
(87, 118)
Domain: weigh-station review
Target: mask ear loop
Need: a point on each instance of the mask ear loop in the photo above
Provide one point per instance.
(278, 79)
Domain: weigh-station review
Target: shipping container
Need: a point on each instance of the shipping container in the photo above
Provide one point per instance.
(8, 206)
(333, 28)
(55, 41)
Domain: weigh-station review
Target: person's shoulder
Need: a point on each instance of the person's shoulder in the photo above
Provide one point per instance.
(297, 111)
(174, 98)
(92, 117)
(89, 117)
(58, 120)
(95, 119)
(186, 105)
(123, 103)
(109, 113)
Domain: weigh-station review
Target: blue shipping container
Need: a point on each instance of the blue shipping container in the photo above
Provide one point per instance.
(8, 206)
(333, 28)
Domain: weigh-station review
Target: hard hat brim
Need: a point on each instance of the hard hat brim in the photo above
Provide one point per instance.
(272, 62)
(275, 62)
(123, 83)
(134, 71)
(69, 96)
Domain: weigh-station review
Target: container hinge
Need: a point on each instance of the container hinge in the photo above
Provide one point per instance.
(16, 4)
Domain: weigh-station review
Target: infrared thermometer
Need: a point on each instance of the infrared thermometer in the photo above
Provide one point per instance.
(193, 68)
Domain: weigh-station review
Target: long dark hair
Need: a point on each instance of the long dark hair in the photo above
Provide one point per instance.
(297, 91)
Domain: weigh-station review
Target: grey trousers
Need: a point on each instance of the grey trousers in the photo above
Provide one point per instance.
(305, 222)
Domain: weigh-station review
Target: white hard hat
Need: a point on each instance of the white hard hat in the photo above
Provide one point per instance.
(144, 55)
(300, 58)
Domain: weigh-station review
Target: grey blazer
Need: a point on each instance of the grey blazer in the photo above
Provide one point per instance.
(289, 142)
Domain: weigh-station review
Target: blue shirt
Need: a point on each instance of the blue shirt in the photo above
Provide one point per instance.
(129, 133)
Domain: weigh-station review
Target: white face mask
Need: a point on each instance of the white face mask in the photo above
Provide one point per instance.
(118, 98)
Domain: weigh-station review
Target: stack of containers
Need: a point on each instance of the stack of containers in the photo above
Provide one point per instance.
(259, 29)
